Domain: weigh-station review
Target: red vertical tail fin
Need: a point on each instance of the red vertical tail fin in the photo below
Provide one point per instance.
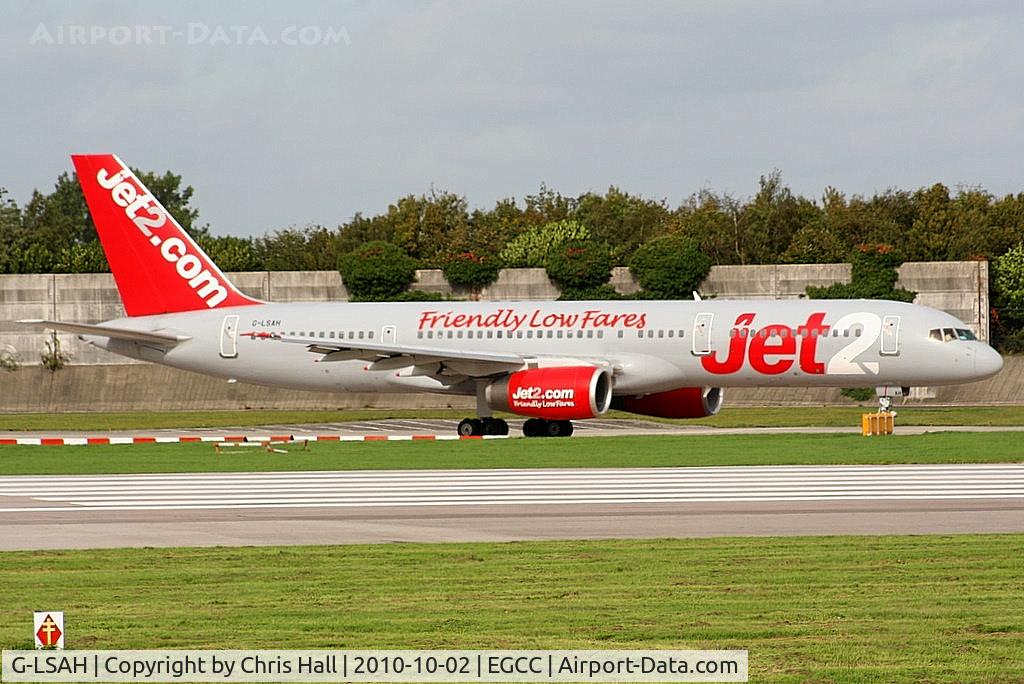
(158, 268)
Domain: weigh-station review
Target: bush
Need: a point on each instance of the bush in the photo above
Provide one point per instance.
(416, 296)
(873, 276)
(579, 265)
(472, 270)
(860, 394)
(377, 271)
(531, 249)
(669, 267)
(600, 292)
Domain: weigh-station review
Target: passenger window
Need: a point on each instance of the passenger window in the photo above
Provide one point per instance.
(650, 334)
(370, 335)
(600, 334)
(559, 334)
(733, 332)
(661, 334)
(519, 334)
(671, 332)
(590, 333)
(639, 333)
(451, 334)
(500, 335)
(551, 333)
(459, 334)
(332, 334)
(620, 334)
(857, 332)
(680, 334)
(579, 333)
(529, 334)
(419, 334)
(360, 334)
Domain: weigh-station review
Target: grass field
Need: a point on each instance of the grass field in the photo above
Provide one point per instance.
(640, 451)
(818, 416)
(850, 609)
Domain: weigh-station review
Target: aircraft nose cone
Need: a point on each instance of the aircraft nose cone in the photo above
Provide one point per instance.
(987, 362)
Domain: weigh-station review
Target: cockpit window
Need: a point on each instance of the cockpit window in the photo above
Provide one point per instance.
(951, 334)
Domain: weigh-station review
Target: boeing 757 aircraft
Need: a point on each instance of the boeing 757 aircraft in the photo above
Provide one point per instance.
(553, 362)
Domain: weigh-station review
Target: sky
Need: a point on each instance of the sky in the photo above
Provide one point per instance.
(298, 113)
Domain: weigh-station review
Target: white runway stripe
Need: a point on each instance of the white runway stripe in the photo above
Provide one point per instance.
(522, 487)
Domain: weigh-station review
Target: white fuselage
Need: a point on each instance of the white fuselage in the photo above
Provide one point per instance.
(651, 346)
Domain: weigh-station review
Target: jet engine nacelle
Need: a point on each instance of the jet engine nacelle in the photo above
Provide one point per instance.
(555, 393)
(685, 402)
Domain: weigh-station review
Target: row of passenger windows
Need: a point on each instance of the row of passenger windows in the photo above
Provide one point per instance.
(950, 334)
(503, 334)
(330, 334)
(798, 332)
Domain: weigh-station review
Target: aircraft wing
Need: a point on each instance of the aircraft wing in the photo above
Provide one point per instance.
(157, 337)
(383, 356)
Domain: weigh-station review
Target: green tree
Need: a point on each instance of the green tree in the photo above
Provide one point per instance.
(873, 276)
(377, 271)
(471, 270)
(623, 220)
(669, 267)
(530, 250)
(580, 268)
(1006, 280)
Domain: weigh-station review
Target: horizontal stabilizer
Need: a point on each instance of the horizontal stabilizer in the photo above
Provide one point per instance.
(164, 339)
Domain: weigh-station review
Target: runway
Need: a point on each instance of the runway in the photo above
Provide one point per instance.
(482, 505)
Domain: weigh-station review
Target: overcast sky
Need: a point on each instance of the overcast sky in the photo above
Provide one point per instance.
(492, 99)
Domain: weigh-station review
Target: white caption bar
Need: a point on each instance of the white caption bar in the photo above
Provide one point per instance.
(374, 666)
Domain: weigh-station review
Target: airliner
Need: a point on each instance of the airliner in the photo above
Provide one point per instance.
(552, 362)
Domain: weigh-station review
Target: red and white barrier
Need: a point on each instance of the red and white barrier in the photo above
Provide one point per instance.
(86, 441)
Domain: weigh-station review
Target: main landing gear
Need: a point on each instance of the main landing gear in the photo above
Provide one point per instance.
(539, 427)
(478, 427)
(534, 427)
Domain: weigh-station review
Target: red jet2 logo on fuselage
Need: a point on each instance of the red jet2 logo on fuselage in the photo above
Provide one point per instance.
(772, 348)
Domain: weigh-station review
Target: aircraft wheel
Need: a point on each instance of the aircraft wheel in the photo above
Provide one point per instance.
(567, 428)
(533, 427)
(555, 428)
(471, 427)
(495, 426)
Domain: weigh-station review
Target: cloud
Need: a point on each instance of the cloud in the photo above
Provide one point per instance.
(492, 99)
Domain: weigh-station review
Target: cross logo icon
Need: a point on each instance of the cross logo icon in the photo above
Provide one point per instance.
(49, 633)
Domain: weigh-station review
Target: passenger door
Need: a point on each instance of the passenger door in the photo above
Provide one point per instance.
(890, 336)
(228, 335)
(702, 334)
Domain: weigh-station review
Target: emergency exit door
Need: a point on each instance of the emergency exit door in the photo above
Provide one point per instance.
(702, 334)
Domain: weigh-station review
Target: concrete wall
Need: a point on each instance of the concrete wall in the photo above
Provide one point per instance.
(134, 387)
(960, 288)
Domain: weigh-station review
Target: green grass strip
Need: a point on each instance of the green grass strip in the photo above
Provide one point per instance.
(629, 451)
(844, 609)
